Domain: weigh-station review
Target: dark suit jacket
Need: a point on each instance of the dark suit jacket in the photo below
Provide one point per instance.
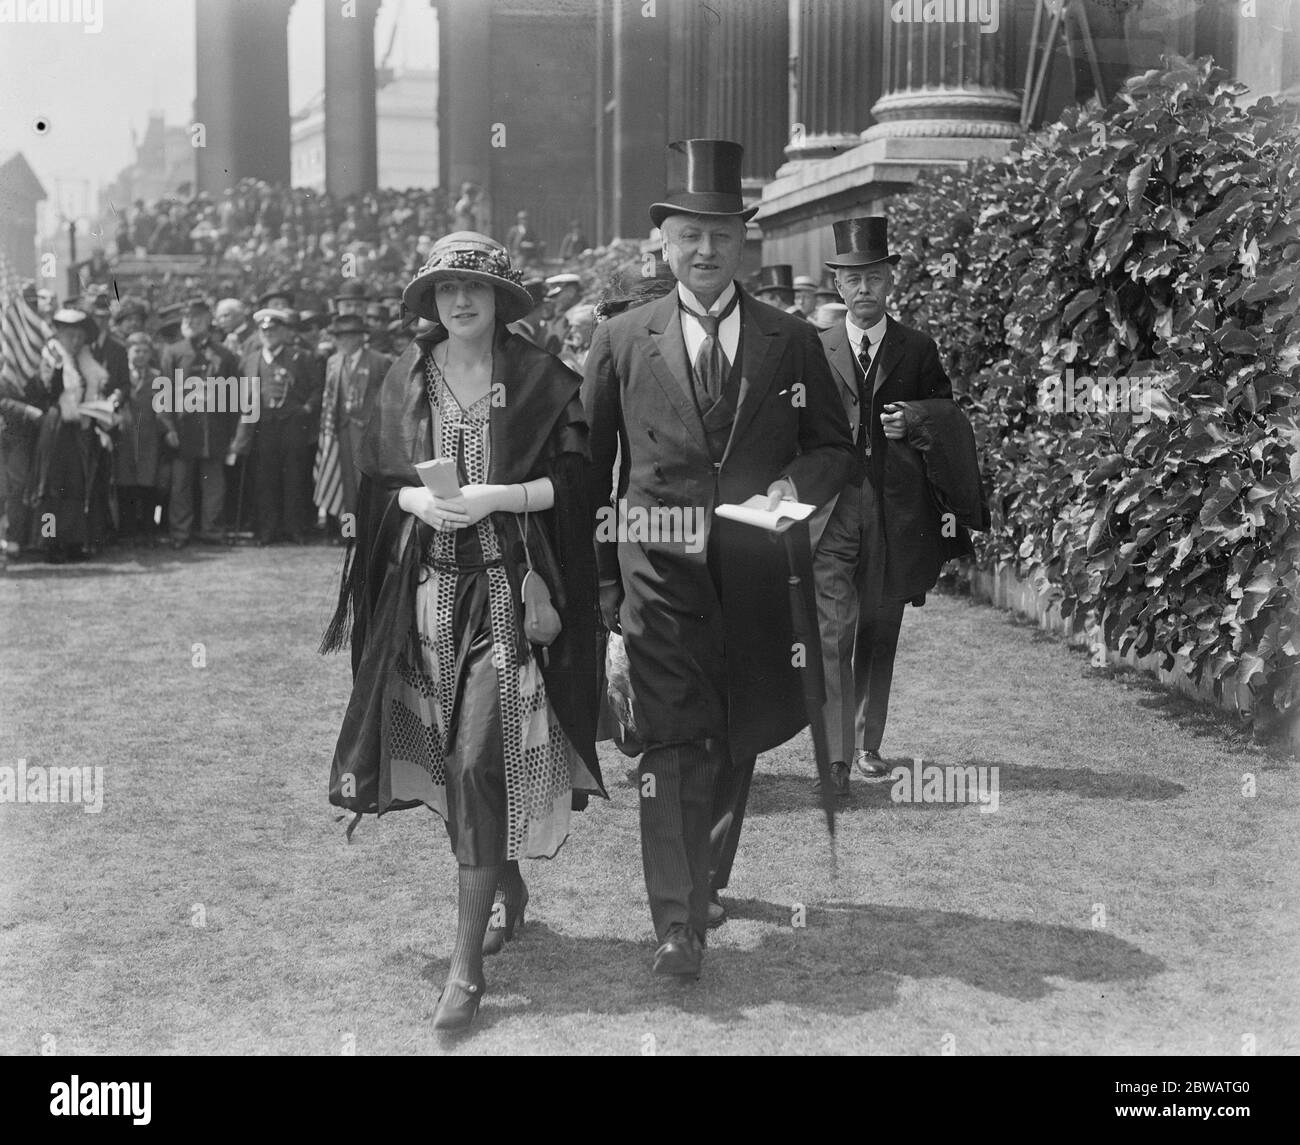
(112, 356)
(206, 433)
(903, 547)
(705, 663)
(301, 403)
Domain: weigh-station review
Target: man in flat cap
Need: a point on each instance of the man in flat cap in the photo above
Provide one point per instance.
(280, 440)
(885, 541)
(706, 396)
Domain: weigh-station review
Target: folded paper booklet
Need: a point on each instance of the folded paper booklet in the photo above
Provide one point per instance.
(755, 512)
(439, 477)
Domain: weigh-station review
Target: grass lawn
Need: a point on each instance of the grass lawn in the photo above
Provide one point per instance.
(1126, 897)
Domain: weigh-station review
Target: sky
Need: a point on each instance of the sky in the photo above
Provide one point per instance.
(92, 88)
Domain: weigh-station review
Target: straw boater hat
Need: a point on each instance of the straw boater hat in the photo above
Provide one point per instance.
(861, 242)
(703, 179)
(468, 254)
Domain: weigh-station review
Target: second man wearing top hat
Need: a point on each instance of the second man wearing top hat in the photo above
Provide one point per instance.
(884, 543)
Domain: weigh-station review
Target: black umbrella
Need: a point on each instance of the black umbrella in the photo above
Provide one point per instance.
(803, 622)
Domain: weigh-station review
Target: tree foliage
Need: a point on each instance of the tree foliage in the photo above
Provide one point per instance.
(1157, 238)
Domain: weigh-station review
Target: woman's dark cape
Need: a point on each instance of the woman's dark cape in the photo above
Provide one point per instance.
(538, 430)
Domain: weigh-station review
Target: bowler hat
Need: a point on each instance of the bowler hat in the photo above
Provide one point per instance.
(169, 322)
(469, 254)
(861, 242)
(348, 324)
(703, 179)
(353, 289)
(779, 277)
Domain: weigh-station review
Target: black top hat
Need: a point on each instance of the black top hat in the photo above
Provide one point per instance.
(779, 277)
(861, 242)
(703, 179)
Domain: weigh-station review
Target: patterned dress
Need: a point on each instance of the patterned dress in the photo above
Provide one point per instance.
(472, 732)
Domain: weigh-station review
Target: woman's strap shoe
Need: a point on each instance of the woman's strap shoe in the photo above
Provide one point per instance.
(457, 1004)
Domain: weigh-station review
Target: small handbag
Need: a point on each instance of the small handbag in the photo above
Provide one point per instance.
(541, 620)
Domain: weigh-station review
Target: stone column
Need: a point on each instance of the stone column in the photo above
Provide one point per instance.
(465, 100)
(639, 125)
(836, 58)
(242, 91)
(748, 62)
(351, 147)
(947, 78)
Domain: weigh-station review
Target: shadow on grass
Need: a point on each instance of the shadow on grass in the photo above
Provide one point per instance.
(773, 794)
(848, 959)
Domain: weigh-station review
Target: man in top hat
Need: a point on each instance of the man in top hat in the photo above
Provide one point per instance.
(352, 373)
(883, 543)
(199, 437)
(562, 293)
(351, 298)
(280, 439)
(805, 294)
(776, 286)
(708, 397)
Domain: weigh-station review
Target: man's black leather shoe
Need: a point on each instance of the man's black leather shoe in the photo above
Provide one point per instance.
(680, 954)
(870, 765)
(839, 780)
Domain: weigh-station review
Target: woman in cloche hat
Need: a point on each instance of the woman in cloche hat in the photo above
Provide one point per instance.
(473, 609)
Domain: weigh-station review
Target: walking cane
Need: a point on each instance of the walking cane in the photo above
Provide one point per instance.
(803, 622)
(239, 501)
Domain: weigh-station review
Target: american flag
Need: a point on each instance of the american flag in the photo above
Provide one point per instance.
(22, 333)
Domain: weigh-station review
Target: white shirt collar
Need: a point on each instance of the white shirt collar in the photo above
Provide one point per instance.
(857, 333)
(695, 304)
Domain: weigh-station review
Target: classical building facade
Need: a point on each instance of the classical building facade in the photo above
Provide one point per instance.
(563, 107)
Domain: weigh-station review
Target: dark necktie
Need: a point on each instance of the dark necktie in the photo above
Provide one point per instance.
(711, 363)
(866, 386)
